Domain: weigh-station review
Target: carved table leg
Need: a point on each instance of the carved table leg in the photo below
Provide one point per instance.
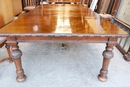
(16, 55)
(8, 50)
(107, 54)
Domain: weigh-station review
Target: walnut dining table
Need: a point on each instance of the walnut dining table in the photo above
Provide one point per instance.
(61, 22)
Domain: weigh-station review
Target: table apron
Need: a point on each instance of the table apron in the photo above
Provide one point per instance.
(62, 39)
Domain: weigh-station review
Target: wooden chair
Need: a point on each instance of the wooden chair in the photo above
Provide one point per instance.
(30, 4)
(64, 1)
(2, 43)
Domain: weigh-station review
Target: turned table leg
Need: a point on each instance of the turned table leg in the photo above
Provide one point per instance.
(16, 55)
(107, 54)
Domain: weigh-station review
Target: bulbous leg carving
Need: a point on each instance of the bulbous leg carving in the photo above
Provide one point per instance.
(107, 54)
(16, 55)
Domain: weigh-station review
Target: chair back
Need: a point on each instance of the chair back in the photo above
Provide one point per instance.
(30, 4)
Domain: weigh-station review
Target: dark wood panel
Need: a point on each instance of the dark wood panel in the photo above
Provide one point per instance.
(105, 5)
(114, 7)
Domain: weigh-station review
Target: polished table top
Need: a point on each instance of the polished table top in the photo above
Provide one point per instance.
(62, 19)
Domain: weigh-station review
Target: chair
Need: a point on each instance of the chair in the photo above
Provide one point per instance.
(30, 4)
(2, 43)
(64, 1)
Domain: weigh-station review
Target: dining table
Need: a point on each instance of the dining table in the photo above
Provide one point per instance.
(62, 23)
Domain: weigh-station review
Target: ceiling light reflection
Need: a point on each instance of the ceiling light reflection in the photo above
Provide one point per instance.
(35, 28)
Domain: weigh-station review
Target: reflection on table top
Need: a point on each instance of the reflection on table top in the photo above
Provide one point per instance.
(62, 18)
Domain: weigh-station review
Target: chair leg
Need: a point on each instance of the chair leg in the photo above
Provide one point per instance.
(8, 50)
(2, 60)
(8, 58)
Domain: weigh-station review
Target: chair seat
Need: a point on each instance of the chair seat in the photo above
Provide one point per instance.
(2, 41)
(105, 15)
(28, 8)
